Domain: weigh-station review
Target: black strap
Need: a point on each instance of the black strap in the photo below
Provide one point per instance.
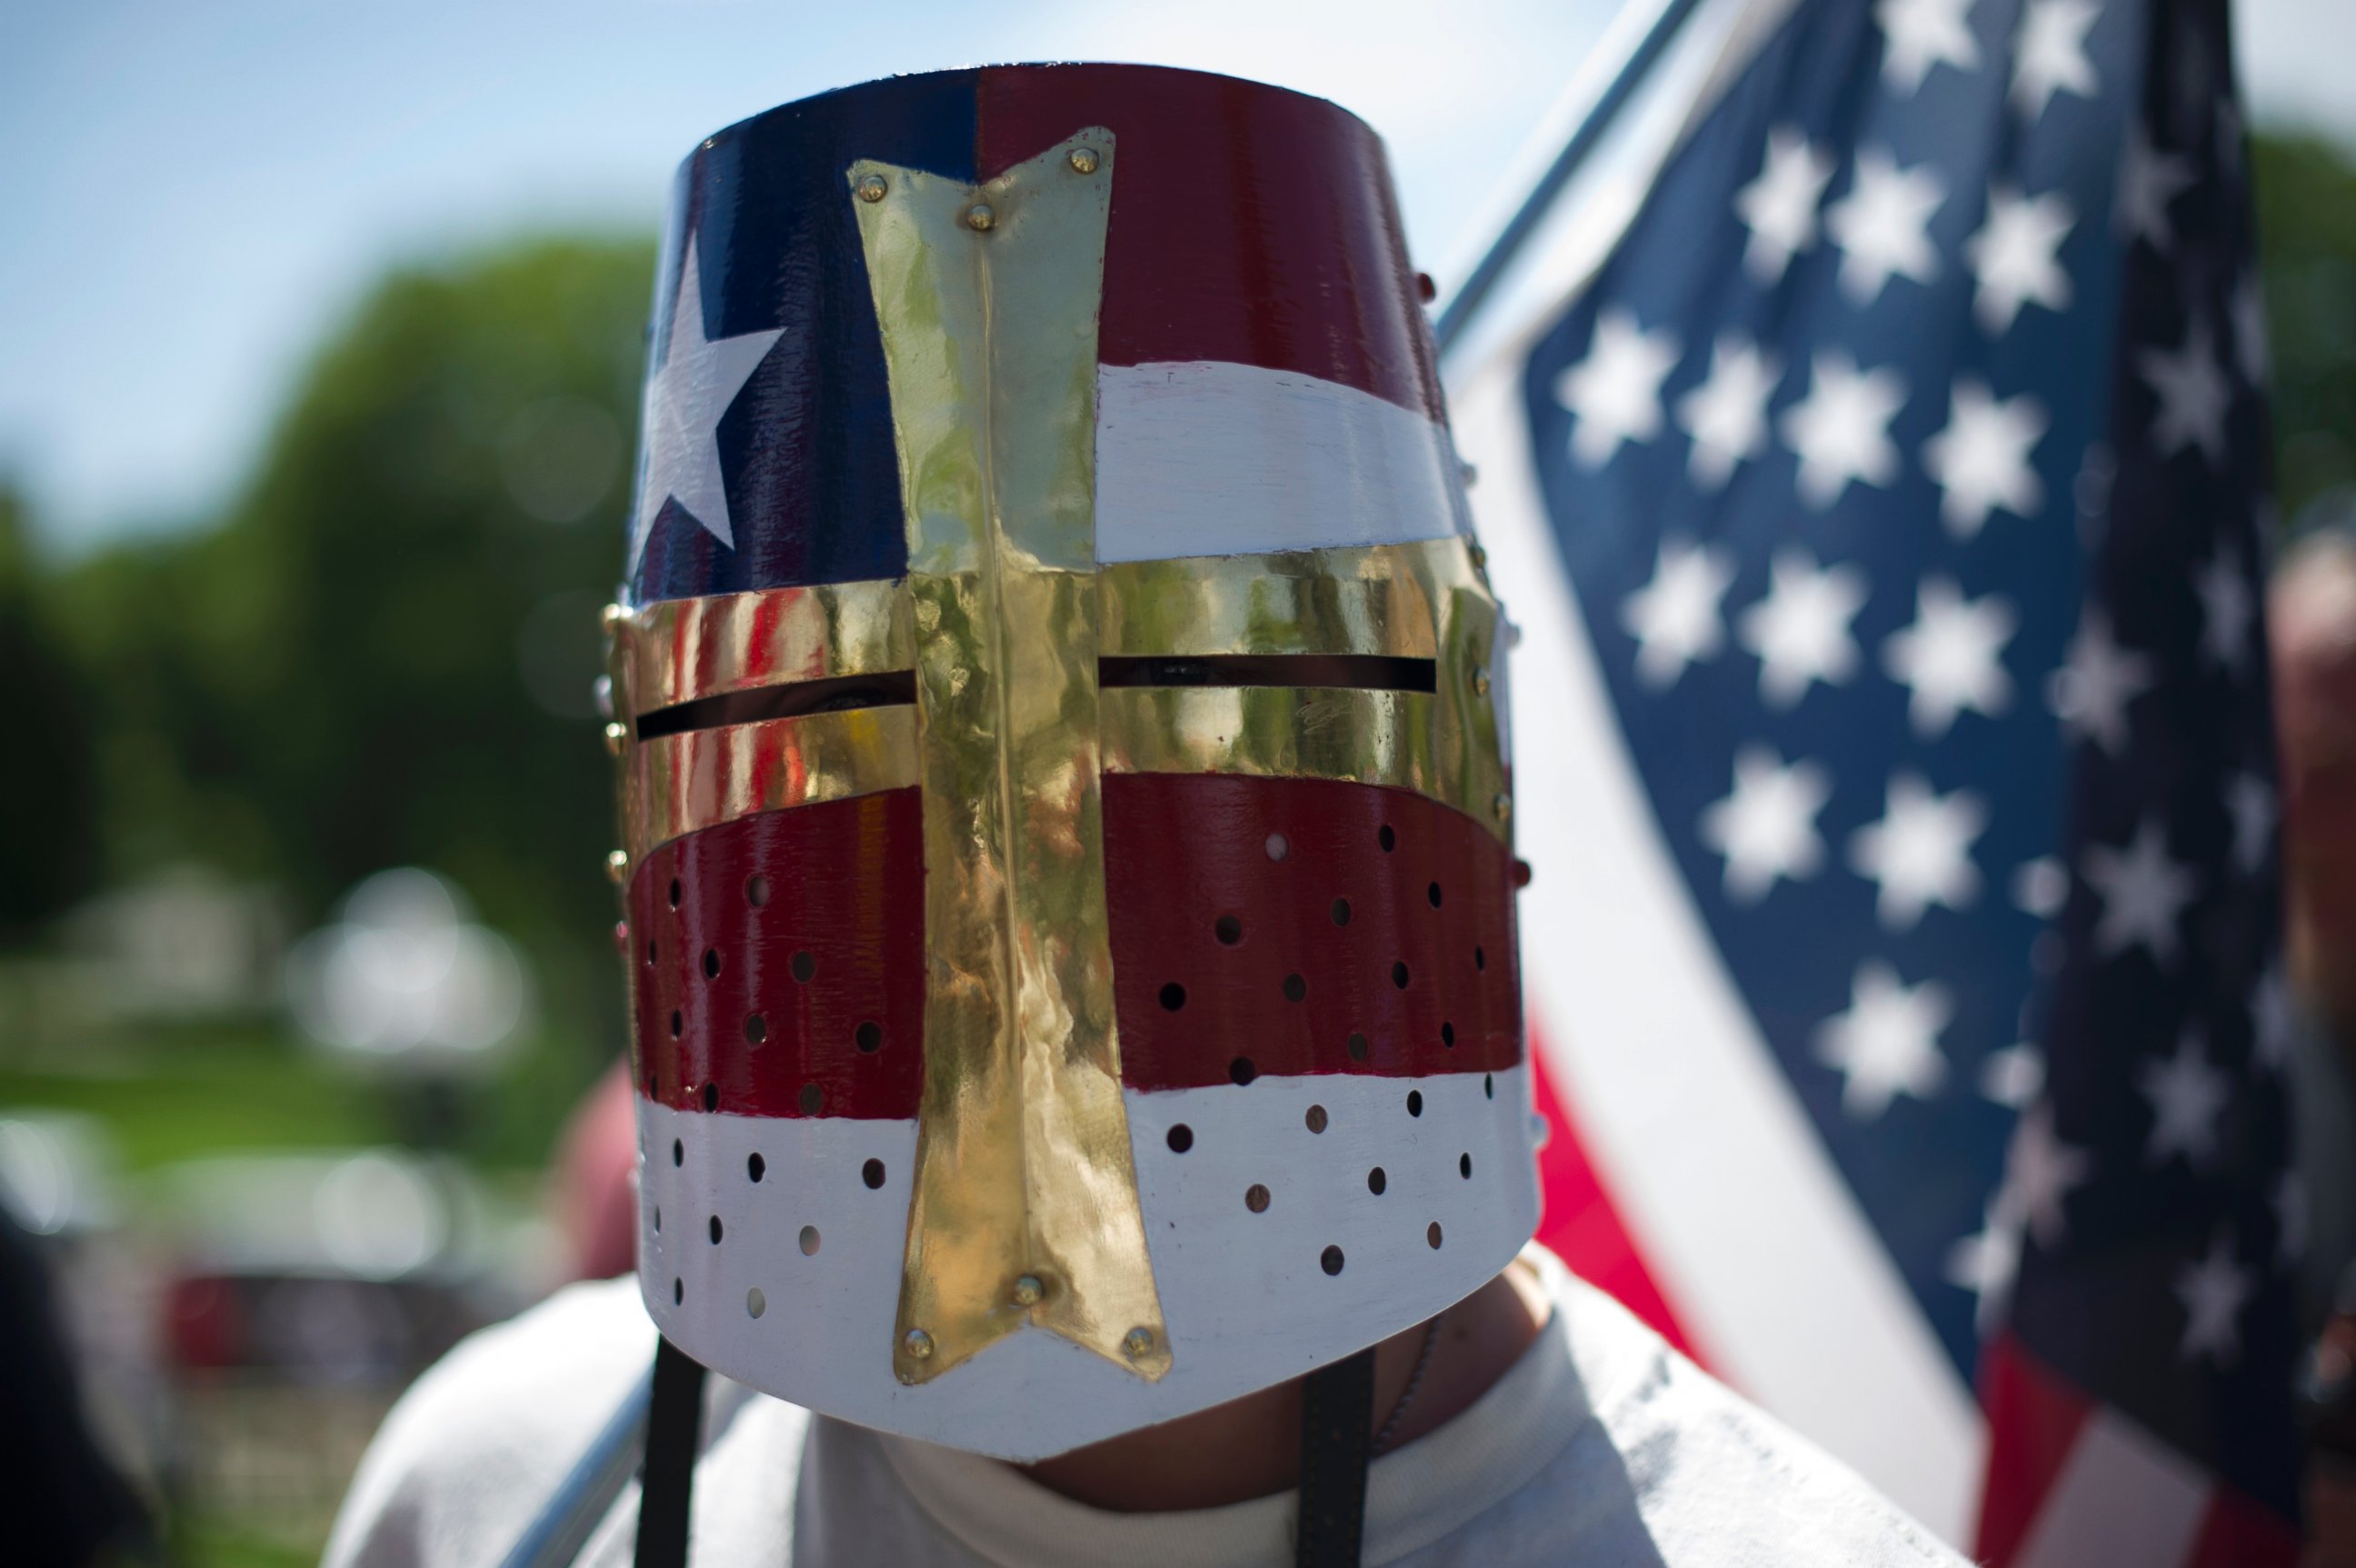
(674, 1418)
(1337, 1418)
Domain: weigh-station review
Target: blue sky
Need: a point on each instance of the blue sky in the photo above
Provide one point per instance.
(196, 193)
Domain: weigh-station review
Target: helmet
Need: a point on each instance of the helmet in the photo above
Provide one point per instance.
(1069, 879)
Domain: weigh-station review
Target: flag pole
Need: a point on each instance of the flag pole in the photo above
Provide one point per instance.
(1467, 299)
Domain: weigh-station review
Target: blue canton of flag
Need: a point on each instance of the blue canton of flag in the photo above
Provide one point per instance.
(1907, 461)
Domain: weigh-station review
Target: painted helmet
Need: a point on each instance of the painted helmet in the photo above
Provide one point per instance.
(1068, 882)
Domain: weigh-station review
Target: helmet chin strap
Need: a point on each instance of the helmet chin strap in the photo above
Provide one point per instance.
(1337, 1416)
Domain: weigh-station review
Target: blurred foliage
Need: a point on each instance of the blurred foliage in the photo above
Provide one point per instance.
(2305, 192)
(48, 854)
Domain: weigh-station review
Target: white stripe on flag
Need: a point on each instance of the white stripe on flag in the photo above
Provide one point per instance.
(1753, 1236)
(2122, 1496)
(1204, 458)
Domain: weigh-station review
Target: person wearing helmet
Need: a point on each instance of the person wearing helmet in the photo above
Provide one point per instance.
(1068, 887)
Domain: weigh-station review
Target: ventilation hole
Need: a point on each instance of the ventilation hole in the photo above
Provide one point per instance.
(650, 955)
(1331, 1258)
(756, 1167)
(872, 1173)
(1398, 974)
(715, 1230)
(712, 1097)
(1489, 1085)
(678, 1287)
(755, 1303)
(1431, 1234)
(711, 963)
(1479, 958)
(1276, 846)
(1315, 1119)
(803, 965)
(674, 892)
(1432, 893)
(1340, 911)
(1376, 1181)
(1415, 1102)
(658, 1219)
(1256, 1199)
(1174, 996)
(756, 1028)
(653, 1086)
(812, 1098)
(1387, 839)
(1448, 1035)
(810, 1240)
(1241, 1069)
(1464, 1166)
(678, 1024)
(868, 1036)
(1228, 929)
(678, 1152)
(1295, 988)
(1181, 1138)
(757, 890)
(1358, 1047)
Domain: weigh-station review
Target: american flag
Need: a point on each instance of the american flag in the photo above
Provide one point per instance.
(1885, 515)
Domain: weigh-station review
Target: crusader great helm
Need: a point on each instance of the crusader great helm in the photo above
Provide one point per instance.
(1069, 882)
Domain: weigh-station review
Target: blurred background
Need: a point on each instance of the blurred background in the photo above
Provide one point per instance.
(318, 395)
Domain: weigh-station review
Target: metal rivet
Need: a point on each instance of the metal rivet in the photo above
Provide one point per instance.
(615, 735)
(980, 217)
(618, 865)
(917, 1344)
(872, 187)
(609, 617)
(1028, 1290)
(1083, 160)
(1137, 1343)
(1480, 680)
(1480, 556)
(1503, 806)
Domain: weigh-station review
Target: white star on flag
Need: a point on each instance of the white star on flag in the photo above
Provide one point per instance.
(2098, 679)
(1674, 617)
(1840, 431)
(2149, 180)
(2212, 1292)
(2050, 54)
(2014, 254)
(2040, 886)
(686, 397)
(1887, 1044)
(1984, 1265)
(1881, 225)
(1800, 630)
(2192, 395)
(1615, 393)
(2143, 892)
(1766, 828)
(1920, 34)
(1918, 852)
(2039, 1171)
(2226, 608)
(2186, 1096)
(2270, 1018)
(1727, 414)
(1949, 656)
(1778, 208)
(2013, 1076)
(2250, 804)
(1979, 459)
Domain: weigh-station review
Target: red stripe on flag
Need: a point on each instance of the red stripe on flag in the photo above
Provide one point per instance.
(1582, 1227)
(2238, 1532)
(2034, 1419)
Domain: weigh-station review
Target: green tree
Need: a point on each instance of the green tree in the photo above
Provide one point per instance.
(2305, 194)
(384, 654)
(49, 848)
